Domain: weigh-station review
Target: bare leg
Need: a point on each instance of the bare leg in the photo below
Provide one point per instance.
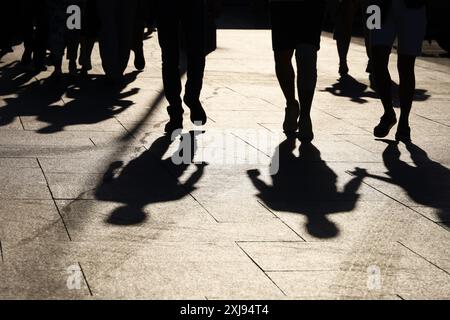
(407, 88)
(380, 59)
(286, 77)
(306, 56)
(286, 74)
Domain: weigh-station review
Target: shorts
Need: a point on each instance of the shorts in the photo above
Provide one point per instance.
(296, 22)
(408, 25)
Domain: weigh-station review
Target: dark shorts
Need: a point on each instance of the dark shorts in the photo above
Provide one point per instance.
(296, 22)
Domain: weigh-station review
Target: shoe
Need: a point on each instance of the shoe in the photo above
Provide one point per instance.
(305, 134)
(343, 69)
(387, 122)
(176, 120)
(73, 67)
(198, 114)
(290, 124)
(403, 134)
(139, 59)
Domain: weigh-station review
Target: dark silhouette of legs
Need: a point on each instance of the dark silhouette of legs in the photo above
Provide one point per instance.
(384, 86)
(306, 56)
(191, 17)
(407, 88)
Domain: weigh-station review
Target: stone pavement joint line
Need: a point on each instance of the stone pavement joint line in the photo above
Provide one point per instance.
(90, 193)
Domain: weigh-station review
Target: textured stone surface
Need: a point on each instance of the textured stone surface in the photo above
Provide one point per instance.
(87, 180)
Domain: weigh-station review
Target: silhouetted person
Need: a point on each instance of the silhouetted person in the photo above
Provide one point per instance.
(34, 27)
(116, 35)
(296, 28)
(347, 11)
(407, 21)
(144, 10)
(57, 23)
(177, 20)
(90, 30)
(146, 180)
(306, 185)
(8, 25)
(426, 182)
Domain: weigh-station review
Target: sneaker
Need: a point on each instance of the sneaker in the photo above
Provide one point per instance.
(387, 122)
(139, 59)
(176, 120)
(290, 124)
(403, 134)
(198, 114)
(305, 134)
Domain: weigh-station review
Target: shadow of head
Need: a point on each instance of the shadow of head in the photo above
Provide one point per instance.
(320, 227)
(127, 216)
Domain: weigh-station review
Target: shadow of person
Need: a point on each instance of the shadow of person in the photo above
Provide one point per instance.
(347, 86)
(90, 102)
(26, 97)
(63, 103)
(149, 179)
(426, 182)
(306, 185)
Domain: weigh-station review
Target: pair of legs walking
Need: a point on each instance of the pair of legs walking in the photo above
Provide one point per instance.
(181, 21)
(347, 12)
(298, 115)
(408, 24)
(296, 29)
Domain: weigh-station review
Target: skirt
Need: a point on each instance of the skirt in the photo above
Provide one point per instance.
(296, 22)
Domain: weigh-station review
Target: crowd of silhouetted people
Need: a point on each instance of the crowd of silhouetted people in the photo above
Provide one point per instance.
(119, 27)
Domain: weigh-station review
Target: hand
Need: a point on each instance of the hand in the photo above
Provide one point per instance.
(255, 173)
(359, 172)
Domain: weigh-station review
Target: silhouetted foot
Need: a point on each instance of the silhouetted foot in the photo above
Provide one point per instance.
(139, 59)
(290, 124)
(198, 114)
(387, 122)
(343, 69)
(403, 134)
(306, 133)
(73, 67)
(176, 120)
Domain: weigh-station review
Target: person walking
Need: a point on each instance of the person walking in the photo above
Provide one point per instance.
(177, 20)
(116, 35)
(296, 28)
(34, 30)
(347, 11)
(407, 21)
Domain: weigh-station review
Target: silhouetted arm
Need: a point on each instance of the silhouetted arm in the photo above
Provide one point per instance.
(258, 183)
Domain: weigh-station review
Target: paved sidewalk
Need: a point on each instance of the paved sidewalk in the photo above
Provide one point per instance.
(89, 193)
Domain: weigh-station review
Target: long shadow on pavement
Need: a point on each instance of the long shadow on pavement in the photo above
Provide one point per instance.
(89, 100)
(306, 185)
(426, 182)
(149, 179)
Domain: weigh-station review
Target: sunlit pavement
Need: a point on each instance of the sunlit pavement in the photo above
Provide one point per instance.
(92, 205)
